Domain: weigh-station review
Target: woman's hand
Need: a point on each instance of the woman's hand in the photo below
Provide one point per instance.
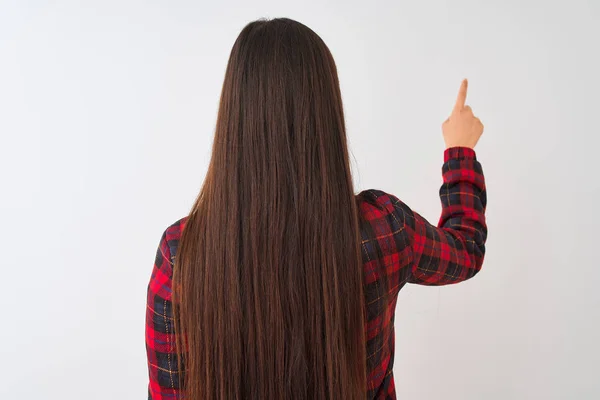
(462, 128)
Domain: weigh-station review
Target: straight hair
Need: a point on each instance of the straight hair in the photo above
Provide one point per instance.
(268, 284)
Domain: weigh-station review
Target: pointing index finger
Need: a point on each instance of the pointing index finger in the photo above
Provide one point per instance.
(462, 97)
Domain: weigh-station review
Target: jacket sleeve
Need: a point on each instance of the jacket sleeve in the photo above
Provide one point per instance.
(452, 251)
(160, 338)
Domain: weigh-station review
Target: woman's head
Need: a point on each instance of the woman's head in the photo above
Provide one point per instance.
(281, 107)
(268, 291)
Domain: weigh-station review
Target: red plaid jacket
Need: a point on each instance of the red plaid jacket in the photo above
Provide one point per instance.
(398, 247)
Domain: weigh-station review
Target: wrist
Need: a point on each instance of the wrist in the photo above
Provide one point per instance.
(459, 153)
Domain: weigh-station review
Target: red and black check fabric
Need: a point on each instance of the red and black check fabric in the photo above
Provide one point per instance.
(398, 246)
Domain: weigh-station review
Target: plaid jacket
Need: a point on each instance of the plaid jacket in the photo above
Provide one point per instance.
(398, 247)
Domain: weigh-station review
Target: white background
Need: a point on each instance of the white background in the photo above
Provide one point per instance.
(107, 111)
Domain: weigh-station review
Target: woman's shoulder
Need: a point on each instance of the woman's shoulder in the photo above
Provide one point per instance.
(172, 234)
(175, 229)
(376, 203)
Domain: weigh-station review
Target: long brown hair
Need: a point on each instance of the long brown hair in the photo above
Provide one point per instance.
(268, 283)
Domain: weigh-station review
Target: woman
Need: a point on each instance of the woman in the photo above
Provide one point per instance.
(281, 283)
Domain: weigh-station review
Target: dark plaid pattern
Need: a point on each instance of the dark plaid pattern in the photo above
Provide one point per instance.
(398, 247)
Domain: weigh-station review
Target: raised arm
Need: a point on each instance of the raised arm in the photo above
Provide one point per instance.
(454, 250)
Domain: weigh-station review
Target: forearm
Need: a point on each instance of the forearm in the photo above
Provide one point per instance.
(454, 250)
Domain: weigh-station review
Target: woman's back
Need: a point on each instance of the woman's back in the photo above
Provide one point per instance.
(281, 282)
(398, 246)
